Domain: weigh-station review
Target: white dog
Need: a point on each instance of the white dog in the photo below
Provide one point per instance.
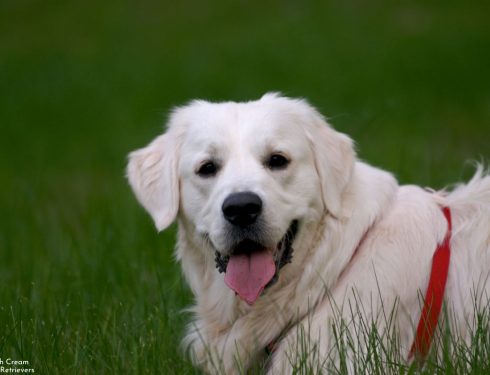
(282, 232)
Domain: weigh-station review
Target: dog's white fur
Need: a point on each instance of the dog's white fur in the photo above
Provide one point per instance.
(363, 239)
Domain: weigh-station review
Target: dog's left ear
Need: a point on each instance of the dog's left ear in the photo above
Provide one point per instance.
(152, 173)
(334, 161)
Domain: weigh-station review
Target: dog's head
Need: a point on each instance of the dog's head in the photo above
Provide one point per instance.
(245, 177)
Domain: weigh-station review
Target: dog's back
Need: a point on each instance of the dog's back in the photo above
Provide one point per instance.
(469, 275)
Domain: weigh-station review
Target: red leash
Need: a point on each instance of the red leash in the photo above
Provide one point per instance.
(434, 294)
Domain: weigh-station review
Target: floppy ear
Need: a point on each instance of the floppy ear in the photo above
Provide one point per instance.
(334, 161)
(152, 173)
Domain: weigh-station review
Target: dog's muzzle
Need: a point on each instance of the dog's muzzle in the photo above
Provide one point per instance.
(252, 267)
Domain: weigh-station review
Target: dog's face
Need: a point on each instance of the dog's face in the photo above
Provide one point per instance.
(246, 174)
(245, 177)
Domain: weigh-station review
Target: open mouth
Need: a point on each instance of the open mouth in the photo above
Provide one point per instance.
(253, 267)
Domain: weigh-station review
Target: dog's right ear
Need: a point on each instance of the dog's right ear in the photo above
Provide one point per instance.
(152, 174)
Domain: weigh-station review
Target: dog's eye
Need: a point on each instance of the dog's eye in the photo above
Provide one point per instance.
(208, 169)
(277, 161)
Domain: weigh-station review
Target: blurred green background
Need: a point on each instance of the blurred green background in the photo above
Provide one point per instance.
(86, 283)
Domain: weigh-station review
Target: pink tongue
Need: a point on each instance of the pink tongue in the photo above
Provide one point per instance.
(248, 274)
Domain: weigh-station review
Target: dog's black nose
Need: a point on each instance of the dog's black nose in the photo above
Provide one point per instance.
(242, 209)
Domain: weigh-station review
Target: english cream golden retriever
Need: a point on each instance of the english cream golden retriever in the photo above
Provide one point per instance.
(283, 232)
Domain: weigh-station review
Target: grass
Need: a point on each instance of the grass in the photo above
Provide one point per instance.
(362, 343)
(361, 347)
(87, 286)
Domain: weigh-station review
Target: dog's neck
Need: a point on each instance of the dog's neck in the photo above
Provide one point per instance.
(337, 239)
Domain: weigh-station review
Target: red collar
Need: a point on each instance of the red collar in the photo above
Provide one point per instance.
(434, 294)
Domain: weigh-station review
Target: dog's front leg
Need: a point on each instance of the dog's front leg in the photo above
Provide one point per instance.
(336, 338)
(234, 350)
(300, 351)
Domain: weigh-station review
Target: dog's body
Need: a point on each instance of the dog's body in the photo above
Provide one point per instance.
(360, 240)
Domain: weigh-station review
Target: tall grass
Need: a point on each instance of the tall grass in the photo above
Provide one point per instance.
(360, 345)
(362, 342)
